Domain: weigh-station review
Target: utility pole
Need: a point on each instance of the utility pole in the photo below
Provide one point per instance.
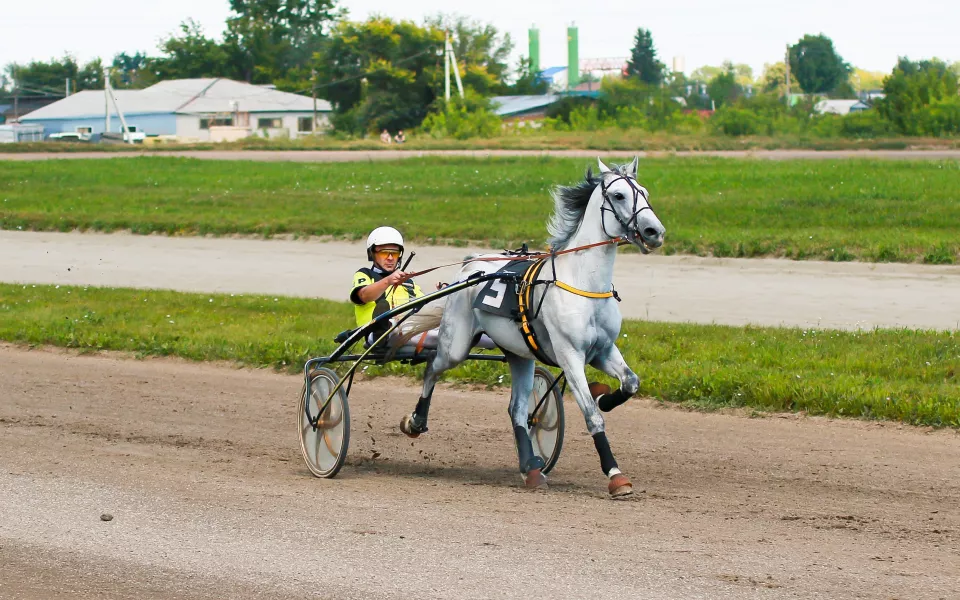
(446, 67)
(68, 87)
(450, 62)
(786, 62)
(313, 79)
(16, 103)
(106, 101)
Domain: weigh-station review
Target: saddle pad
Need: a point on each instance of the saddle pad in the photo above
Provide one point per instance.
(500, 297)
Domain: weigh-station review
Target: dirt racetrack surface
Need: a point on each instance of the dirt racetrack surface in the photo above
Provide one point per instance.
(200, 468)
(368, 155)
(659, 288)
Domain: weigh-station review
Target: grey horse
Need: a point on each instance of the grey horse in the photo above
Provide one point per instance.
(572, 330)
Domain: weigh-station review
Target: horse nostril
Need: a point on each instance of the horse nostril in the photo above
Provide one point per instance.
(650, 233)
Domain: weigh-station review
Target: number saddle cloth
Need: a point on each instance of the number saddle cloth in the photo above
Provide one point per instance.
(512, 297)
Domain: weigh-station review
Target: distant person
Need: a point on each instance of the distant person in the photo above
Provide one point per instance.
(401, 138)
(385, 136)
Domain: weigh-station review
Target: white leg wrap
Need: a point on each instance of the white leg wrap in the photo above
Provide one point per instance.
(613, 472)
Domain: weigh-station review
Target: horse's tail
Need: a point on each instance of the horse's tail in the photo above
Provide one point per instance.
(426, 319)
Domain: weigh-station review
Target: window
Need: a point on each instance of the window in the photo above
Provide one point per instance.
(84, 129)
(305, 124)
(272, 123)
(215, 121)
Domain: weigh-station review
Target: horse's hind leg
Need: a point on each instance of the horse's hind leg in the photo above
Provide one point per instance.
(531, 465)
(612, 364)
(455, 340)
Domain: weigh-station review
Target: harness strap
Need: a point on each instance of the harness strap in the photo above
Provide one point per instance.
(579, 292)
(526, 322)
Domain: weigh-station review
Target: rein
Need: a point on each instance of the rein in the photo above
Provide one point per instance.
(617, 240)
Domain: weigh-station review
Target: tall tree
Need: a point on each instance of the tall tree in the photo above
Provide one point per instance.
(643, 63)
(817, 66)
(191, 54)
(380, 74)
(915, 92)
(268, 38)
(774, 79)
(724, 88)
(476, 44)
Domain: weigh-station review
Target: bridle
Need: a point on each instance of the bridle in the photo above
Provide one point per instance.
(637, 193)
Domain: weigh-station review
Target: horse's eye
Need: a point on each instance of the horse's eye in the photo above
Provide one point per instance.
(618, 196)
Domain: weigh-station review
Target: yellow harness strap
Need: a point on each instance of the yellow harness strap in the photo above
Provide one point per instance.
(573, 290)
(526, 300)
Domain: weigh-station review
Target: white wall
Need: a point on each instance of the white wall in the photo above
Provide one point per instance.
(188, 126)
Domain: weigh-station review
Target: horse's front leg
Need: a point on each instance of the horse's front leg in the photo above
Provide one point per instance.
(521, 374)
(612, 364)
(572, 365)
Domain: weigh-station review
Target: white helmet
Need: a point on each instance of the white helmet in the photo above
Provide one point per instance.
(381, 236)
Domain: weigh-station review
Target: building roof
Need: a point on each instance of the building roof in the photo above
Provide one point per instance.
(181, 96)
(506, 106)
(839, 107)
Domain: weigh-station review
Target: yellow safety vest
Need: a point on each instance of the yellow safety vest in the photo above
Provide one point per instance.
(390, 299)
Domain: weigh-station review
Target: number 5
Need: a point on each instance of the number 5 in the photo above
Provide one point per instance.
(500, 288)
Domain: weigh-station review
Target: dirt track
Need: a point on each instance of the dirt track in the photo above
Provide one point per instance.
(659, 288)
(367, 155)
(200, 468)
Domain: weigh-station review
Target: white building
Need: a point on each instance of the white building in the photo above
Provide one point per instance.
(839, 107)
(187, 109)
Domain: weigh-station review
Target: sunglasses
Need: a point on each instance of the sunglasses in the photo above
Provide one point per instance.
(388, 253)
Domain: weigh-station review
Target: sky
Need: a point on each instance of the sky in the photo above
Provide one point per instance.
(868, 34)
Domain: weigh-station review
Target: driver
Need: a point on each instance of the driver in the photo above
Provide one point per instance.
(382, 286)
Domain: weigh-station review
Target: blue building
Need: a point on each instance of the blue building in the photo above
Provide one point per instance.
(187, 109)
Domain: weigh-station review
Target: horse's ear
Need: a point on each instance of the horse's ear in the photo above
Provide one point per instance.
(603, 168)
(632, 169)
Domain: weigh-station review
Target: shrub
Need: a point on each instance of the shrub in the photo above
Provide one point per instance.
(864, 124)
(738, 122)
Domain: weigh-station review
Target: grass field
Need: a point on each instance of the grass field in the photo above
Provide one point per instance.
(836, 210)
(901, 375)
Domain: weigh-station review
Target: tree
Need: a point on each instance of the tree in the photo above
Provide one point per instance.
(527, 82)
(266, 39)
(724, 88)
(476, 44)
(90, 76)
(921, 98)
(132, 71)
(191, 54)
(774, 79)
(816, 65)
(743, 73)
(380, 74)
(643, 63)
(867, 80)
(46, 78)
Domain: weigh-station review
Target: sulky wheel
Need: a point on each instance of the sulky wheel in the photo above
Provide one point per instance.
(546, 426)
(324, 447)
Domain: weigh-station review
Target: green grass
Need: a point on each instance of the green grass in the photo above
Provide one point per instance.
(836, 210)
(901, 375)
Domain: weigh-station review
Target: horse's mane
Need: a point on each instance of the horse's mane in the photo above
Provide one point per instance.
(569, 206)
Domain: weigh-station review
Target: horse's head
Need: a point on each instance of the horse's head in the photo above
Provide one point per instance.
(626, 207)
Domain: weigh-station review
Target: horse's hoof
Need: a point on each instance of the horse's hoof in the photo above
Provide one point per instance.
(599, 389)
(535, 480)
(410, 428)
(619, 486)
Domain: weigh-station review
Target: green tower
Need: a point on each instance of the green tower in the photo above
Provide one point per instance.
(534, 50)
(573, 58)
